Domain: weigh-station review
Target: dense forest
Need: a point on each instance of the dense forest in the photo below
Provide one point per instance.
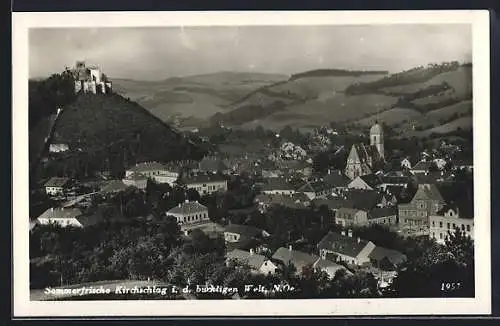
(337, 73)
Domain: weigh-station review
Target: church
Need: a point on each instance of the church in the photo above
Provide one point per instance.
(363, 158)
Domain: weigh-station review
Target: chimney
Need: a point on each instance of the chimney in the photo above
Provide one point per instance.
(179, 205)
(329, 171)
(290, 248)
(52, 209)
(251, 251)
(342, 232)
(359, 239)
(186, 201)
(349, 233)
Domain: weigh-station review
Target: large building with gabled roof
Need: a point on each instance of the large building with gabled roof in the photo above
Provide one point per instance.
(363, 158)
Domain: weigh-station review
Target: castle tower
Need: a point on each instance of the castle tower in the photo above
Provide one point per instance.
(377, 138)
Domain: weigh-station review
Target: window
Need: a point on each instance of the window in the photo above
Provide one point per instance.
(433, 235)
(440, 236)
(433, 224)
(468, 228)
(463, 227)
(441, 224)
(454, 226)
(448, 226)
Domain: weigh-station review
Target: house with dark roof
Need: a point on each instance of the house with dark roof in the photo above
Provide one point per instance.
(333, 204)
(66, 217)
(189, 212)
(386, 259)
(113, 187)
(395, 178)
(345, 248)
(259, 264)
(56, 186)
(427, 201)
(299, 259)
(206, 184)
(239, 236)
(383, 216)
(278, 186)
(421, 167)
(296, 201)
(212, 165)
(336, 180)
(365, 182)
(314, 189)
(364, 199)
(450, 217)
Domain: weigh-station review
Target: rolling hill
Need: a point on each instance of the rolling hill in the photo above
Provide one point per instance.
(420, 98)
(193, 98)
(108, 132)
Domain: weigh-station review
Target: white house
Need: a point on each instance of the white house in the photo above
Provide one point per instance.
(58, 148)
(65, 217)
(189, 212)
(447, 220)
(156, 171)
(206, 184)
(56, 186)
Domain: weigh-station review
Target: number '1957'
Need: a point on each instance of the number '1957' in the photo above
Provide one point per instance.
(451, 286)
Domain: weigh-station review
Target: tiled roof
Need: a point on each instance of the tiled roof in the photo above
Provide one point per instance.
(316, 186)
(323, 263)
(465, 209)
(427, 192)
(364, 199)
(61, 213)
(297, 258)
(113, 186)
(188, 208)
(422, 166)
(56, 182)
(382, 212)
(147, 166)
(336, 179)
(277, 184)
(254, 260)
(334, 203)
(394, 256)
(345, 245)
(367, 151)
(370, 179)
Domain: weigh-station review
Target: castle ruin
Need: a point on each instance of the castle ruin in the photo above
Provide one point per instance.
(90, 79)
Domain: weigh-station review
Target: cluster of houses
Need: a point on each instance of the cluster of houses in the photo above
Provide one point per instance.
(407, 200)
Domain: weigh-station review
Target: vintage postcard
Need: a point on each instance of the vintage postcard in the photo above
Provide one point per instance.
(251, 163)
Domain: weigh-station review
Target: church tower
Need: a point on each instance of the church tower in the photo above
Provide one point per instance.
(377, 138)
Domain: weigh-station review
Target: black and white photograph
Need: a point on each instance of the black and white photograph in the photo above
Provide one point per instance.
(254, 163)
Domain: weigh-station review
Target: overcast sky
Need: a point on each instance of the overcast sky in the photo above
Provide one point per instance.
(159, 53)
